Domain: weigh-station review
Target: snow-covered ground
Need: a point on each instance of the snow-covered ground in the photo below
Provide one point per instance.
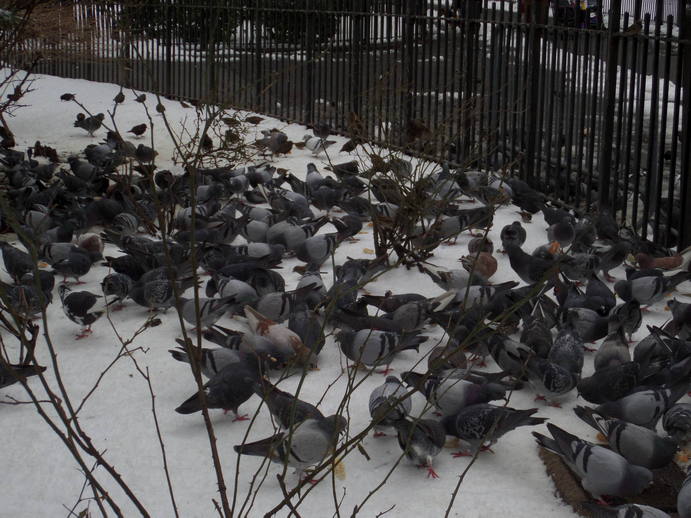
(41, 477)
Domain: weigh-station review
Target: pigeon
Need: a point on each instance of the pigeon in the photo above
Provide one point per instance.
(513, 234)
(644, 408)
(478, 425)
(602, 471)
(637, 444)
(280, 335)
(90, 124)
(316, 144)
(17, 263)
(550, 380)
(286, 408)
(648, 290)
(624, 511)
(305, 444)
(138, 130)
(118, 286)
(211, 360)
(77, 306)
(388, 404)
(684, 497)
(373, 347)
(450, 395)
(11, 374)
(421, 440)
(610, 383)
(230, 387)
(677, 422)
(210, 310)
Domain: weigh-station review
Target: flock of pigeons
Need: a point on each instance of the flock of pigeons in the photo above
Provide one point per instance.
(65, 213)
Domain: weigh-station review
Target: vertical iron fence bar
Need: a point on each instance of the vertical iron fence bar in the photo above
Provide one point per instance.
(667, 63)
(685, 170)
(640, 116)
(651, 195)
(619, 149)
(605, 158)
(408, 81)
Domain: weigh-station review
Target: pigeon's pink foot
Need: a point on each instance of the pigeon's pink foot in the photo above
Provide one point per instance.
(461, 454)
(378, 434)
(119, 307)
(609, 278)
(84, 333)
(589, 349)
(554, 404)
(385, 372)
(539, 398)
(430, 472)
(239, 417)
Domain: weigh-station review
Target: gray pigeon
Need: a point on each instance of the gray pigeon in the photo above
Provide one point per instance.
(637, 444)
(211, 361)
(306, 444)
(644, 408)
(650, 289)
(316, 249)
(118, 286)
(421, 440)
(602, 471)
(372, 347)
(480, 426)
(388, 404)
(317, 145)
(684, 497)
(624, 511)
(286, 408)
(450, 395)
(210, 310)
(677, 422)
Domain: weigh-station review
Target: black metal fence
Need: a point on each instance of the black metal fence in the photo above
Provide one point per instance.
(589, 115)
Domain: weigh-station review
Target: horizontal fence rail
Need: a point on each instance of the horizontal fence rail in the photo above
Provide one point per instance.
(589, 102)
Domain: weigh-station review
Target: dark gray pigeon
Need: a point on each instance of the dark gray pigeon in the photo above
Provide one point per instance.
(228, 389)
(480, 426)
(286, 408)
(421, 440)
(10, 374)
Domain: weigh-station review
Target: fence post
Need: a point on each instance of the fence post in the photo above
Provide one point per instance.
(609, 103)
(310, 42)
(408, 63)
(356, 37)
(685, 171)
(258, 78)
(536, 16)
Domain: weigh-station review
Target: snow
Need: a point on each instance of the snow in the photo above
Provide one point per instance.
(41, 477)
